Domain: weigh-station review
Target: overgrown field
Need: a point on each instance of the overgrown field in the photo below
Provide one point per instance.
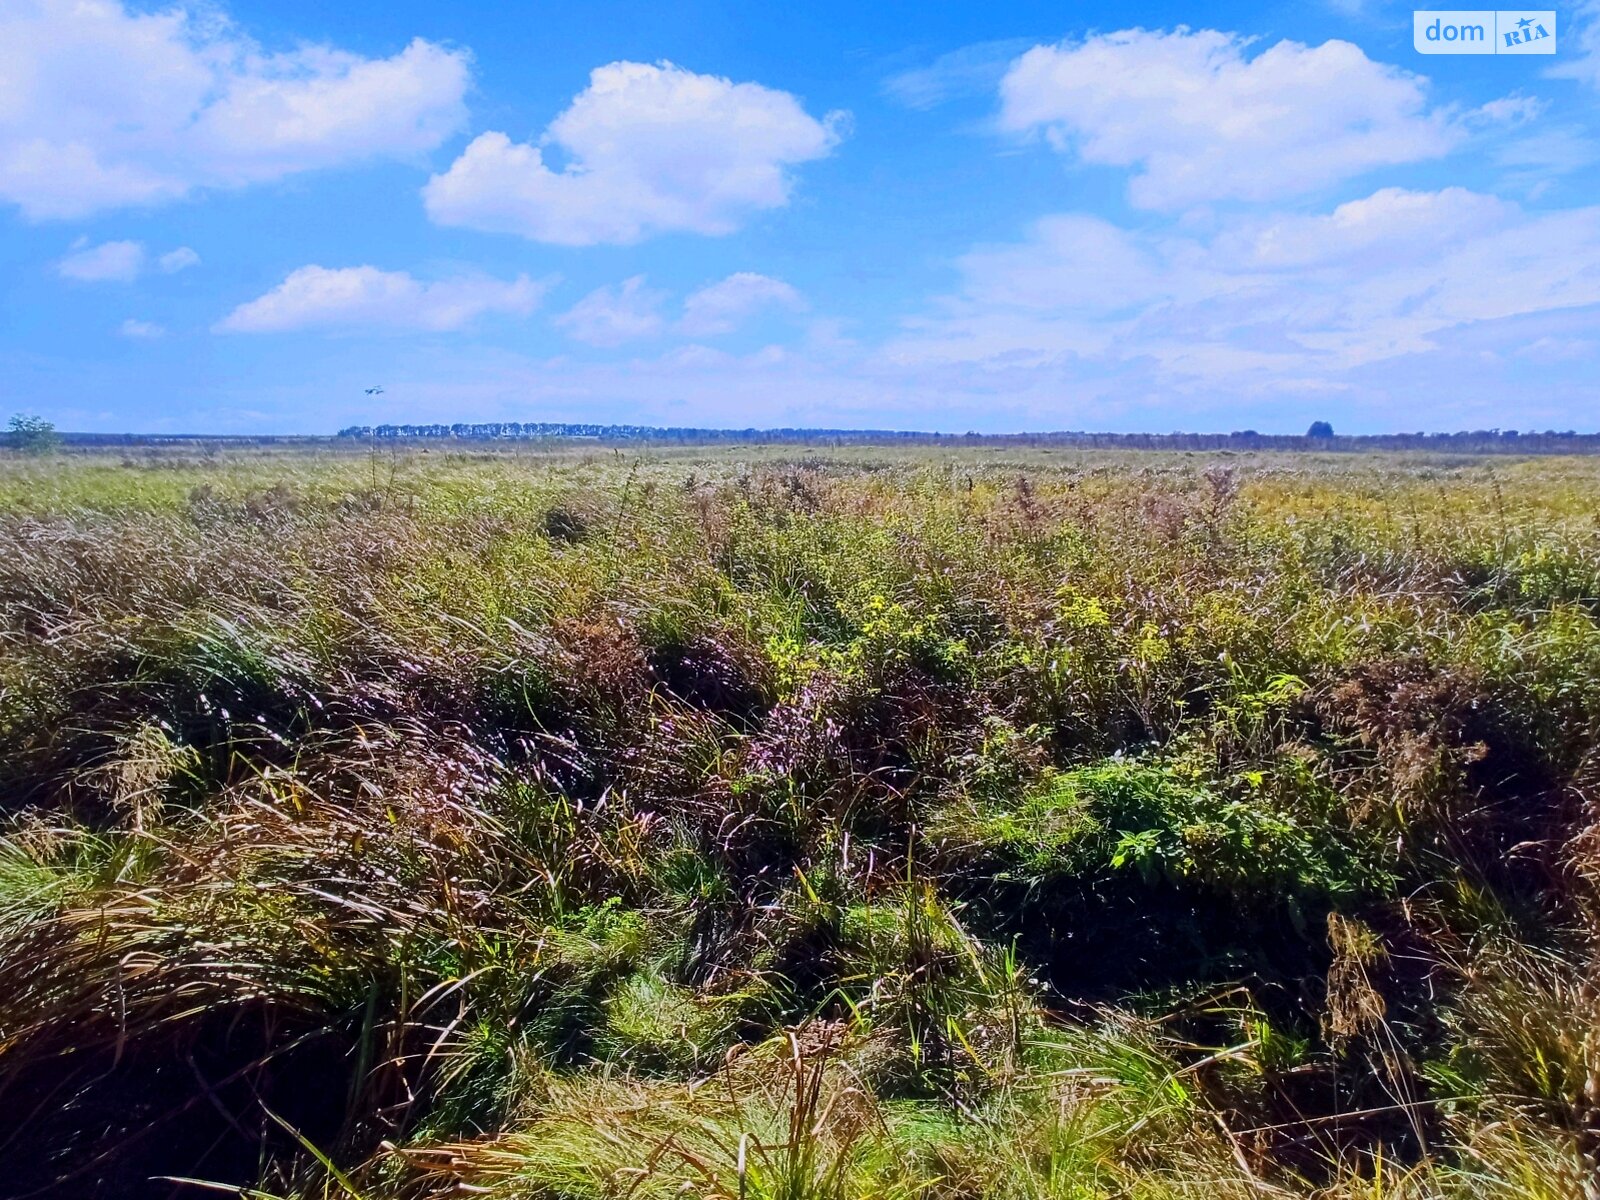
(780, 826)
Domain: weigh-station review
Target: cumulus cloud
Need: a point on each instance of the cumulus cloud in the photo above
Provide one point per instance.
(141, 330)
(367, 300)
(720, 307)
(1390, 229)
(645, 150)
(109, 262)
(1198, 120)
(1284, 300)
(610, 316)
(103, 106)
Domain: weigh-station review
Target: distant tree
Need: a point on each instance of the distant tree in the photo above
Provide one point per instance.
(33, 435)
(1320, 429)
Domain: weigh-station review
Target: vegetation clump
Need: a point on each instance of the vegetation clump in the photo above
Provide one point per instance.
(32, 435)
(988, 824)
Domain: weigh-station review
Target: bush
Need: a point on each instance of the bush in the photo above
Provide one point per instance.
(1154, 819)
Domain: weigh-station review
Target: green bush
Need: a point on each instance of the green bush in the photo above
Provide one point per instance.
(1157, 820)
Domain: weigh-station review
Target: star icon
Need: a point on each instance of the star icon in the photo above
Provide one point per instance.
(1524, 23)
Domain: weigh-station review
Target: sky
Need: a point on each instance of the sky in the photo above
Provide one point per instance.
(998, 217)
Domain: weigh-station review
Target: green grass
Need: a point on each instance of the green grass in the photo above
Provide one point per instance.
(764, 822)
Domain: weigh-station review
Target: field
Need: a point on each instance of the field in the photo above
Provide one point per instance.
(776, 824)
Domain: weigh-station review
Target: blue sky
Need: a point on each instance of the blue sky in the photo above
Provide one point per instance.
(994, 217)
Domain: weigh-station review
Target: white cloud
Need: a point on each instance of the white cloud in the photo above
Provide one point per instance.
(630, 311)
(1199, 121)
(1526, 372)
(119, 262)
(1073, 262)
(610, 316)
(1583, 36)
(1515, 109)
(141, 330)
(1558, 349)
(367, 300)
(1284, 302)
(1390, 229)
(968, 71)
(720, 307)
(102, 106)
(109, 262)
(647, 149)
(177, 260)
(1558, 150)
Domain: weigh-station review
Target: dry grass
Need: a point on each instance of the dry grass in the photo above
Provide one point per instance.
(872, 824)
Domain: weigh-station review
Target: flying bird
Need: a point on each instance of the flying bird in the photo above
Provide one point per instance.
(374, 391)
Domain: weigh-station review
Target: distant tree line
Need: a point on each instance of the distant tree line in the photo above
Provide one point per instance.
(1319, 437)
(493, 430)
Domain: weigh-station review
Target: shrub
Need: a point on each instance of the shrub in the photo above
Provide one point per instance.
(1154, 819)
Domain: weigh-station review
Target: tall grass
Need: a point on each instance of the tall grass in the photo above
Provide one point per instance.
(762, 824)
